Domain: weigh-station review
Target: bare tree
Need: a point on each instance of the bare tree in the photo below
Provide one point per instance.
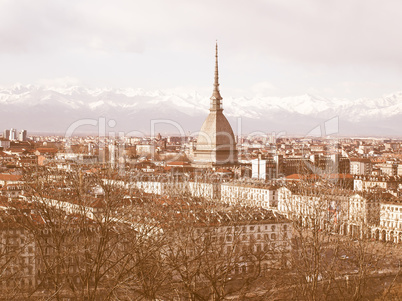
(332, 257)
(17, 278)
(213, 255)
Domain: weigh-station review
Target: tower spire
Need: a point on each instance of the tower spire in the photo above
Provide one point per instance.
(216, 96)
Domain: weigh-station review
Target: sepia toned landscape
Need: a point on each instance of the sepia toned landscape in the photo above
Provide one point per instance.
(142, 159)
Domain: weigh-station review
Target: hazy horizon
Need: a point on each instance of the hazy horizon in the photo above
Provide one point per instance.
(341, 52)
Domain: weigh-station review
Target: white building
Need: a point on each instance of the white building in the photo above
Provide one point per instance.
(264, 169)
(389, 168)
(195, 189)
(239, 234)
(22, 136)
(13, 134)
(309, 206)
(360, 166)
(391, 220)
(367, 183)
(255, 195)
(4, 143)
(363, 213)
(145, 149)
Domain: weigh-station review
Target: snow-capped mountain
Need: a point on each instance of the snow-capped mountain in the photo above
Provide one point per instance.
(43, 109)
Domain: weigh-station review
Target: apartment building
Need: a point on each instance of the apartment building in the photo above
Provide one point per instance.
(250, 194)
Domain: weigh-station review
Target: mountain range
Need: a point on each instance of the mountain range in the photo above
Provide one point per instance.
(58, 110)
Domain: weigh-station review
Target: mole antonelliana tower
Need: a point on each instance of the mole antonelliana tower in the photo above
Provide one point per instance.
(216, 143)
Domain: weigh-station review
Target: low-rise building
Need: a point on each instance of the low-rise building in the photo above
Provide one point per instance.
(5, 143)
(236, 234)
(10, 179)
(367, 183)
(265, 169)
(11, 190)
(364, 213)
(17, 260)
(250, 194)
(310, 206)
(360, 166)
(193, 188)
(391, 220)
(388, 168)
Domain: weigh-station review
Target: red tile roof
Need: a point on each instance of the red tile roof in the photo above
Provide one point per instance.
(8, 177)
(47, 150)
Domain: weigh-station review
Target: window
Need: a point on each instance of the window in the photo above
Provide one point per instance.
(251, 228)
(273, 236)
(273, 228)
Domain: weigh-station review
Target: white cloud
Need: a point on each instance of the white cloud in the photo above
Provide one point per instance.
(62, 82)
(347, 40)
(263, 89)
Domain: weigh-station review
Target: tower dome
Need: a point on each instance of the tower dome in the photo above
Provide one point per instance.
(216, 142)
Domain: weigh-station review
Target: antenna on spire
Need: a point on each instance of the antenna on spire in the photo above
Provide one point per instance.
(216, 96)
(216, 67)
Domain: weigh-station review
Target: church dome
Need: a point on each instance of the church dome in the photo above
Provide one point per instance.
(216, 132)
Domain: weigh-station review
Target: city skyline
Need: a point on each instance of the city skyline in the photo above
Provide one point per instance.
(122, 177)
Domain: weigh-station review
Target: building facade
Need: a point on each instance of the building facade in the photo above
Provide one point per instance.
(360, 166)
(254, 195)
(390, 221)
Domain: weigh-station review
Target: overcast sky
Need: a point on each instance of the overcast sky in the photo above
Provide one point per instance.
(342, 48)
